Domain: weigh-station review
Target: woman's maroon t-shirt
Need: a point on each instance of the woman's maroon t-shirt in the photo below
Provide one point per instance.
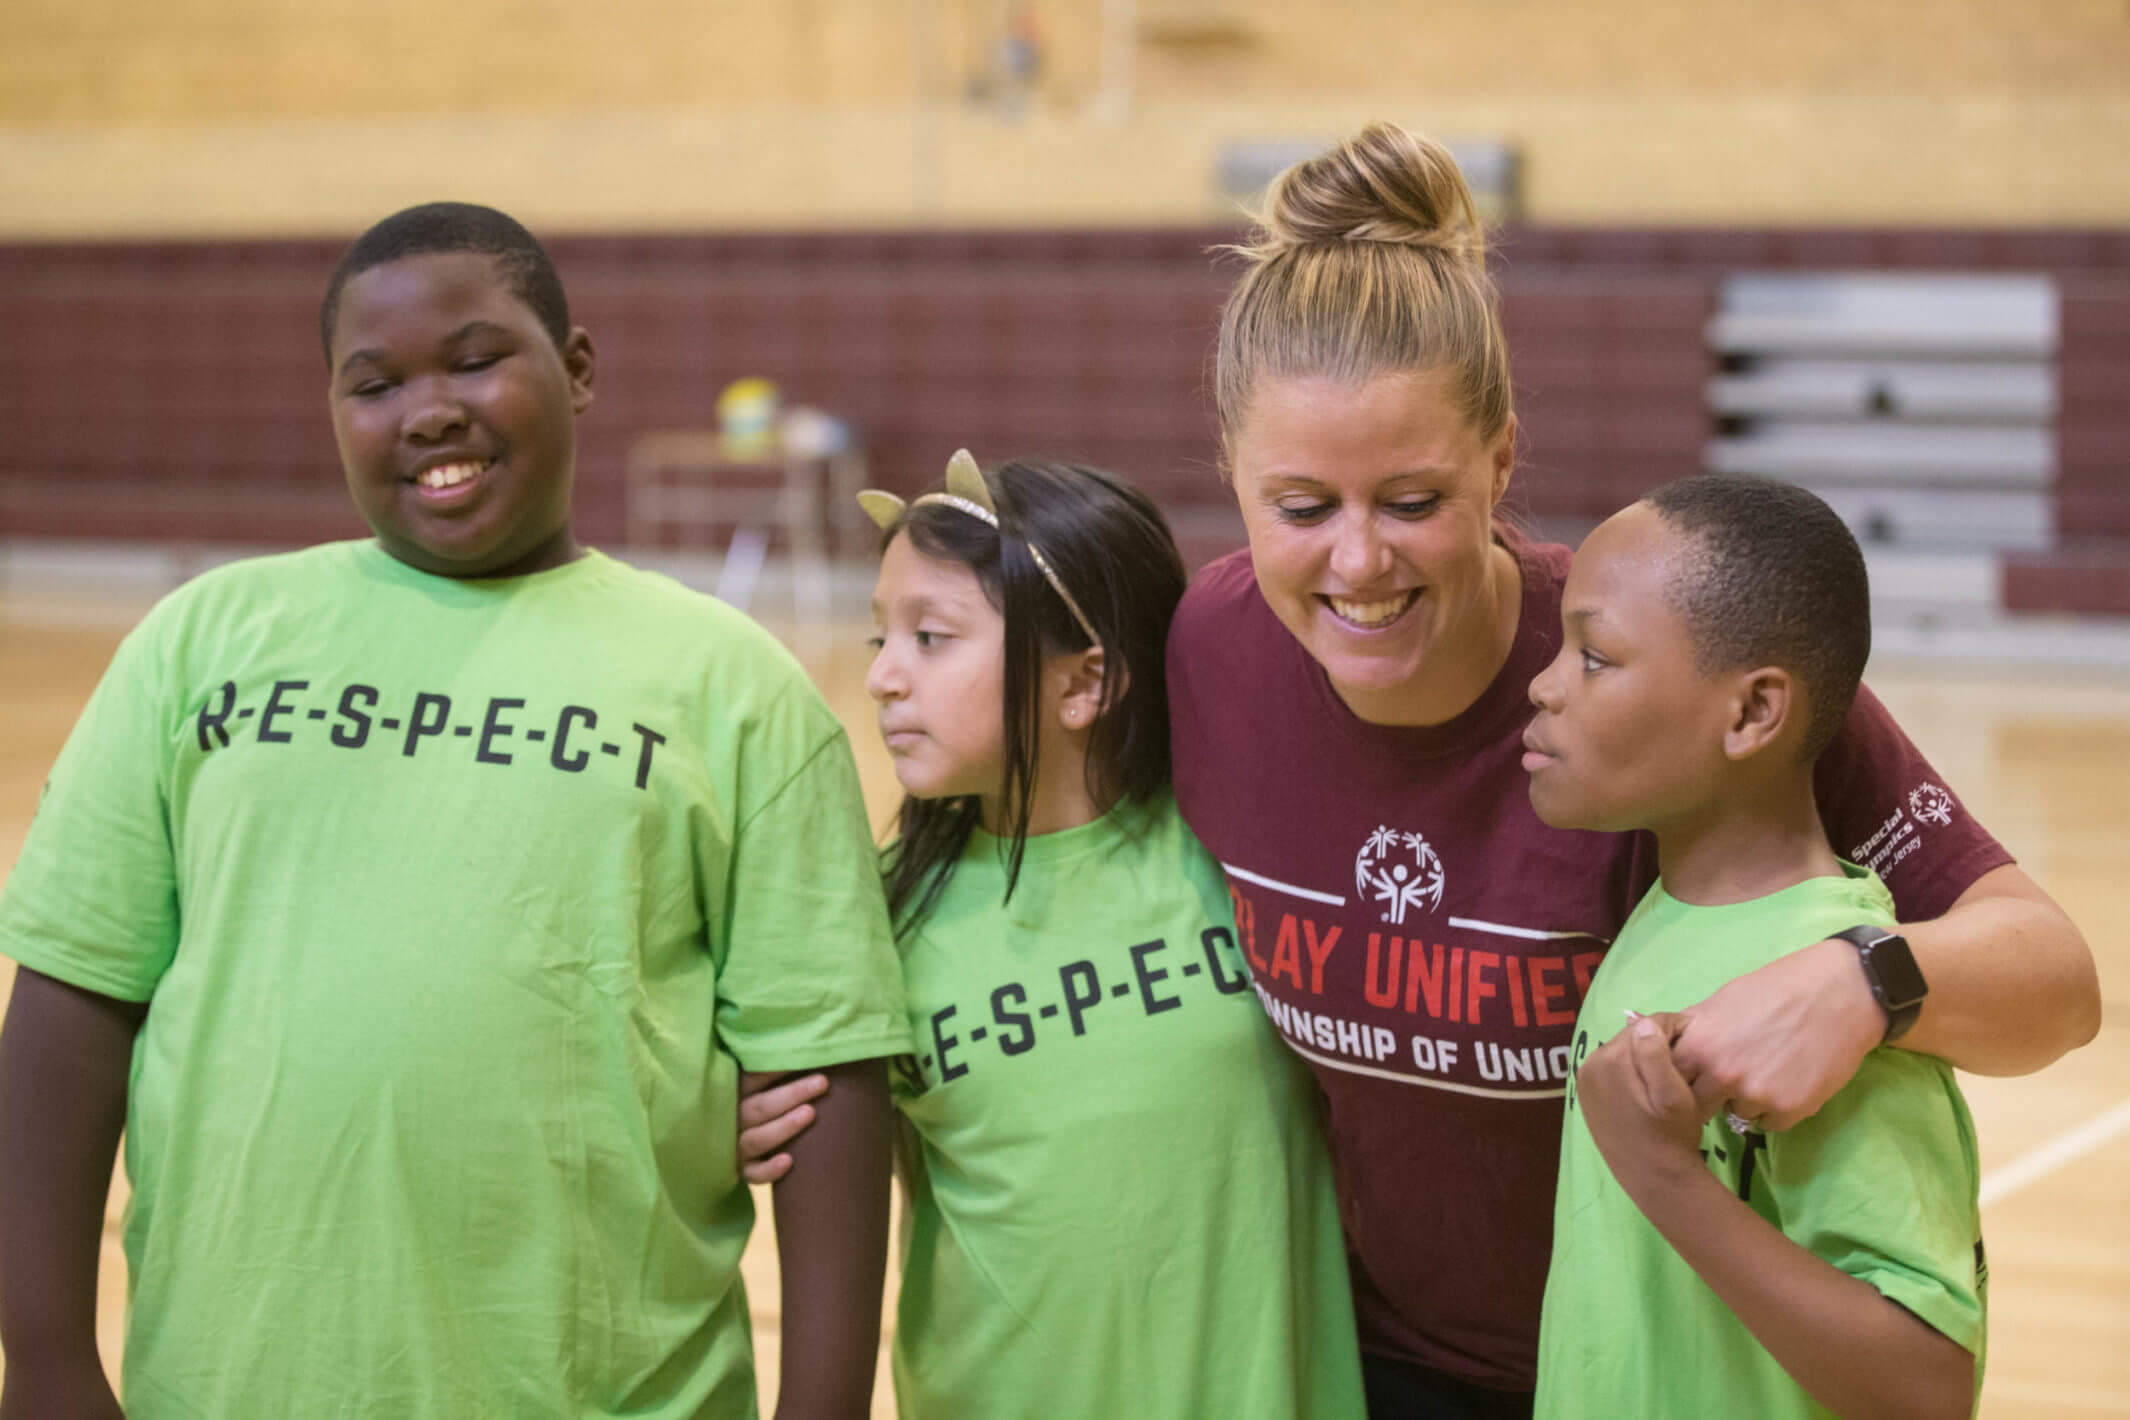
(1423, 940)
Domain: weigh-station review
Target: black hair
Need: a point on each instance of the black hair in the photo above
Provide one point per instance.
(1112, 549)
(455, 227)
(1775, 578)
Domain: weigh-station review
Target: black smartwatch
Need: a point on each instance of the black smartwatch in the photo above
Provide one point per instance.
(1896, 981)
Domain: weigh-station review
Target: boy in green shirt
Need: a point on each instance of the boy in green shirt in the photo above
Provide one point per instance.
(1713, 637)
(412, 903)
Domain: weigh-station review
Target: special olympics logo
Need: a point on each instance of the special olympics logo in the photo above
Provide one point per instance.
(1399, 870)
(1930, 803)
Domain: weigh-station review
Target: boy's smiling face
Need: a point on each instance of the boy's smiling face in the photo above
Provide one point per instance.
(455, 415)
(1628, 733)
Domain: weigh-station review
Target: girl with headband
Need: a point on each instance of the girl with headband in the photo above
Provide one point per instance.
(1119, 1200)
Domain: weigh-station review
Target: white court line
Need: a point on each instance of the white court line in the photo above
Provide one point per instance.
(1277, 886)
(1531, 934)
(2067, 1147)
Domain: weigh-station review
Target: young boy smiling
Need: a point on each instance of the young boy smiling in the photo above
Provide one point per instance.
(1713, 638)
(411, 903)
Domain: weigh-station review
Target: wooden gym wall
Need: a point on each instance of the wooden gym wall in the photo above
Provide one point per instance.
(280, 117)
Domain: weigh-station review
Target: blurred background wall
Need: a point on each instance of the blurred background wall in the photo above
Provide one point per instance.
(989, 223)
(285, 116)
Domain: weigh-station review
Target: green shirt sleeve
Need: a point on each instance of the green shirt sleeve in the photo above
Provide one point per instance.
(808, 974)
(93, 899)
(1882, 1183)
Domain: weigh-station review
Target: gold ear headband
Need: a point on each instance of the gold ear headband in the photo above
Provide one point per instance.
(967, 492)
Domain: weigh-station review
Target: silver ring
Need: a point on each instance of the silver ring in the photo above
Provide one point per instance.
(1739, 1125)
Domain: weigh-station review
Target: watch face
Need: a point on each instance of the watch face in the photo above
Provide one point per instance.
(1893, 966)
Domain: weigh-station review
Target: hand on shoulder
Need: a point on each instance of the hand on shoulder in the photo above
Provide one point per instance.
(1776, 1044)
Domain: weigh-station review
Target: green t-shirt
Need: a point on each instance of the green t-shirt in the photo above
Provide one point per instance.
(454, 903)
(1881, 1183)
(1121, 1203)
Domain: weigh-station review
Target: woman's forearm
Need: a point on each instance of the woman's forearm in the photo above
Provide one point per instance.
(2012, 983)
(2012, 987)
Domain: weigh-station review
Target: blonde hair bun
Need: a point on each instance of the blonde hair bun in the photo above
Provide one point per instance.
(1370, 259)
(1383, 184)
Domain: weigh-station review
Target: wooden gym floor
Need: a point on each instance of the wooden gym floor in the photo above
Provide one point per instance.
(2044, 760)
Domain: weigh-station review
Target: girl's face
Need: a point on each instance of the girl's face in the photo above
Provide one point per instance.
(938, 675)
(1370, 514)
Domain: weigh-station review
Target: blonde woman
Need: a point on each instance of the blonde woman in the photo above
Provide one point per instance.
(1348, 704)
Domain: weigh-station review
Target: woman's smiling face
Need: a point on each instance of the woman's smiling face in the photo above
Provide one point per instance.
(1370, 514)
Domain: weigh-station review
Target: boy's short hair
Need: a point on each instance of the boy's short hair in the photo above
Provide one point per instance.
(1772, 577)
(455, 227)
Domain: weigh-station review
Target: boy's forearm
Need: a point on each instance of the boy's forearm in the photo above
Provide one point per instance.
(832, 1223)
(1850, 1348)
(65, 1055)
(2012, 982)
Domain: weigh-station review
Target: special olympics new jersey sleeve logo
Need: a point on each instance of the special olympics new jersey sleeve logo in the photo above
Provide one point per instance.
(1399, 870)
(1930, 804)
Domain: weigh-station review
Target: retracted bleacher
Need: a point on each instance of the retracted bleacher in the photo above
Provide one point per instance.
(1921, 407)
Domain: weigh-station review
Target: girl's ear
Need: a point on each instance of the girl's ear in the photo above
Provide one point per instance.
(1081, 700)
(1764, 705)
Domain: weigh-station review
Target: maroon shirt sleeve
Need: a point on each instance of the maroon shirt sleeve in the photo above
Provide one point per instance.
(1887, 809)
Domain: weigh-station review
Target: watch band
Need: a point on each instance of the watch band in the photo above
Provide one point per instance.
(1890, 970)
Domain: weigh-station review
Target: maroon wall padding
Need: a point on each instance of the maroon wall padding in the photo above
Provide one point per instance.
(1609, 369)
(1052, 345)
(175, 390)
(166, 390)
(2088, 578)
(2093, 418)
